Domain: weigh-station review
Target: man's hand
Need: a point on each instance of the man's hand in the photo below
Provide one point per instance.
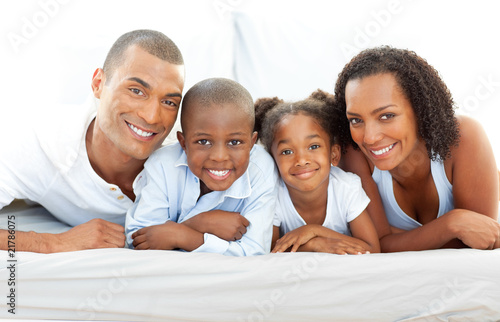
(226, 225)
(96, 233)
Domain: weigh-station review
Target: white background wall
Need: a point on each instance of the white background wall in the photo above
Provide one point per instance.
(50, 48)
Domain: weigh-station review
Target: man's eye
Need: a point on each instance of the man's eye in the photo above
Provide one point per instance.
(203, 142)
(167, 102)
(234, 142)
(136, 91)
(286, 152)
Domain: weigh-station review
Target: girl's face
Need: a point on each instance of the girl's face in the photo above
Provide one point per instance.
(382, 120)
(303, 153)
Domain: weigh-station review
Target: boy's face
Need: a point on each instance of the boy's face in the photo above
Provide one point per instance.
(217, 141)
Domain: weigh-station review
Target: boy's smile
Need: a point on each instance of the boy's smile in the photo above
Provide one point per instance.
(217, 140)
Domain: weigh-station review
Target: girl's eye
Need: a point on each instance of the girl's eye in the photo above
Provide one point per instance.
(136, 91)
(203, 142)
(314, 147)
(286, 152)
(387, 116)
(234, 142)
(355, 121)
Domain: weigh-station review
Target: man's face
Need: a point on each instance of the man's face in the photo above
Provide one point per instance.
(138, 103)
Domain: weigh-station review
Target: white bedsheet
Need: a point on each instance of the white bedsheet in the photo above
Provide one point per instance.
(123, 284)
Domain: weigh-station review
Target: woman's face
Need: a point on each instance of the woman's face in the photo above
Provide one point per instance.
(382, 120)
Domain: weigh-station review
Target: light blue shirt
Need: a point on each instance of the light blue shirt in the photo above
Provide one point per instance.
(395, 215)
(168, 190)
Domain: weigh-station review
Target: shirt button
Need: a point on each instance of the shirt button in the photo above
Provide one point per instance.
(120, 197)
(112, 189)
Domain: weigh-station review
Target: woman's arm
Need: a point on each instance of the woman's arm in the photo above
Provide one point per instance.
(475, 189)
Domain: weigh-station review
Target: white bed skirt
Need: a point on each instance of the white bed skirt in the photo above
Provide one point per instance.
(123, 284)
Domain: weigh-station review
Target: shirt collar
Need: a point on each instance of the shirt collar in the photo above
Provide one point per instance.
(240, 189)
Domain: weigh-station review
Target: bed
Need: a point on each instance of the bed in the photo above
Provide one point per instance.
(123, 284)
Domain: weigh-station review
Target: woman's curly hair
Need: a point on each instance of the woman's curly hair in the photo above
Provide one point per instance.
(270, 111)
(420, 82)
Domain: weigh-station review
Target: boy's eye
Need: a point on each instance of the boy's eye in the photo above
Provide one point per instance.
(203, 142)
(387, 116)
(314, 147)
(137, 91)
(286, 152)
(234, 142)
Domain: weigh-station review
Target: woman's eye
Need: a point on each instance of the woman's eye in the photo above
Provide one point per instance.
(234, 142)
(286, 152)
(314, 147)
(354, 121)
(387, 116)
(203, 142)
(136, 91)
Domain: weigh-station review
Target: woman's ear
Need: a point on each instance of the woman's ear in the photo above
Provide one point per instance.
(336, 153)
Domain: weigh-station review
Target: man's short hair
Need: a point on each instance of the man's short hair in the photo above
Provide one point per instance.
(154, 42)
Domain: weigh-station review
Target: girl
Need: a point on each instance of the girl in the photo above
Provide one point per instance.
(431, 176)
(319, 206)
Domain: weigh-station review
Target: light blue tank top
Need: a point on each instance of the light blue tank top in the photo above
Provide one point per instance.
(395, 215)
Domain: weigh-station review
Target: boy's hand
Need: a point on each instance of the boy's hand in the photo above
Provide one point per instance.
(162, 236)
(226, 225)
(295, 239)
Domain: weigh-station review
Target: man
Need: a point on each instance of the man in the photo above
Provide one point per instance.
(82, 170)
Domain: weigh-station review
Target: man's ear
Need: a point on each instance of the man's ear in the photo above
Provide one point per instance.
(255, 135)
(182, 141)
(98, 82)
(336, 153)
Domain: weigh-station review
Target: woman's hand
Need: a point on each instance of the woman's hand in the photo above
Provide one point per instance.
(475, 230)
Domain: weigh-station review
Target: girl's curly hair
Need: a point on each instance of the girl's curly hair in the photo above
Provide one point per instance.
(270, 111)
(420, 82)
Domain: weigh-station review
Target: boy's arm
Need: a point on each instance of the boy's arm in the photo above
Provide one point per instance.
(226, 225)
(167, 236)
(259, 211)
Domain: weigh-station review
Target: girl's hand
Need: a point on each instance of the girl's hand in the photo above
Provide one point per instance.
(295, 239)
(337, 246)
(475, 230)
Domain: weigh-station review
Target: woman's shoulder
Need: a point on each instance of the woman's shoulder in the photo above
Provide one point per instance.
(354, 160)
(472, 140)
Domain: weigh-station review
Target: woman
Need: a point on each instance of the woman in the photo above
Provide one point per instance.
(431, 176)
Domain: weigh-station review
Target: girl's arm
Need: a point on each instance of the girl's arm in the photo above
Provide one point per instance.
(276, 236)
(303, 239)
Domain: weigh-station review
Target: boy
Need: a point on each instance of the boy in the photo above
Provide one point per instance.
(215, 190)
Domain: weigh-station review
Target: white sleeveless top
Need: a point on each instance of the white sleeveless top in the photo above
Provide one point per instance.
(397, 218)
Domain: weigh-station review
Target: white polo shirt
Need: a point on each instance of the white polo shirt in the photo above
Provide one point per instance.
(47, 162)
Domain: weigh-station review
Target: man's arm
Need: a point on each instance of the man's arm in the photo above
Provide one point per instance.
(96, 233)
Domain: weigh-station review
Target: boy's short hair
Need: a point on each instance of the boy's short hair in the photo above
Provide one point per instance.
(212, 92)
